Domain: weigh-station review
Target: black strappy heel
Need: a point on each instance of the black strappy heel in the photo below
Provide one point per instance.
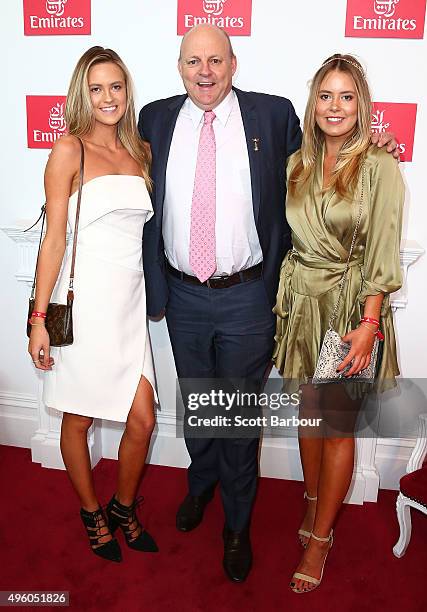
(94, 522)
(125, 517)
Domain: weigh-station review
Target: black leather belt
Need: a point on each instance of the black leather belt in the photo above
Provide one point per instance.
(222, 282)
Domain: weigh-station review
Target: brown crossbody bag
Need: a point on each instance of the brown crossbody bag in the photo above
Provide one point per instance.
(59, 317)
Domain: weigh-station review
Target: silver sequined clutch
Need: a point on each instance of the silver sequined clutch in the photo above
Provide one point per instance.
(332, 353)
(333, 349)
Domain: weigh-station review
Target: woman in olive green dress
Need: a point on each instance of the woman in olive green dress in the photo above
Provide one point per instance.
(325, 181)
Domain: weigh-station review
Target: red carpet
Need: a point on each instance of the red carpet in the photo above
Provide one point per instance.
(43, 547)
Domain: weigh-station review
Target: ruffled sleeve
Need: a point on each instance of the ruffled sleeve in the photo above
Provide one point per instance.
(381, 264)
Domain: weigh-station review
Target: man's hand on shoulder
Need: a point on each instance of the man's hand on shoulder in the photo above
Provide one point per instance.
(386, 138)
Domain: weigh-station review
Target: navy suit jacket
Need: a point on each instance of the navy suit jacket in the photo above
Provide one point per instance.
(273, 122)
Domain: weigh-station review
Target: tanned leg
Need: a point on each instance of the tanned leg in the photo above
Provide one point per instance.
(135, 442)
(75, 454)
(311, 454)
(336, 469)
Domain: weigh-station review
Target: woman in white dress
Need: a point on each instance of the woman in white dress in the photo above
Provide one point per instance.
(108, 371)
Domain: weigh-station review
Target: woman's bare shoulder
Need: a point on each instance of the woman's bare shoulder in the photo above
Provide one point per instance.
(65, 155)
(67, 146)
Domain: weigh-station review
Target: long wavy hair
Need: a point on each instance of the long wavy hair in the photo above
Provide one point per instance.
(79, 115)
(351, 155)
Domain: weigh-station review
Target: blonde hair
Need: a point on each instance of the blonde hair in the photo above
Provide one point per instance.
(351, 155)
(79, 115)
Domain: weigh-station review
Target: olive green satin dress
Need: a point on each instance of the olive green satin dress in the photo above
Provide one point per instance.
(322, 231)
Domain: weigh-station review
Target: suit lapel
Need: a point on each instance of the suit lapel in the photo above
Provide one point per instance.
(250, 124)
(165, 139)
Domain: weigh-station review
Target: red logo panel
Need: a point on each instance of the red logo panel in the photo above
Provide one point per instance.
(45, 120)
(56, 17)
(233, 16)
(385, 18)
(399, 119)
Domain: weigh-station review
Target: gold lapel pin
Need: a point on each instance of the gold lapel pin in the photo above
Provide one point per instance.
(256, 143)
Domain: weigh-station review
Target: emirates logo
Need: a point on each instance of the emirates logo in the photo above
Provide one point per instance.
(56, 7)
(378, 125)
(57, 17)
(56, 118)
(214, 7)
(400, 117)
(386, 8)
(385, 18)
(233, 16)
(45, 120)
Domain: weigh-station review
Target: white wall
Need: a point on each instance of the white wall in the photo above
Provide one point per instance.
(288, 42)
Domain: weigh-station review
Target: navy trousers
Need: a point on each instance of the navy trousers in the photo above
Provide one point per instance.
(226, 334)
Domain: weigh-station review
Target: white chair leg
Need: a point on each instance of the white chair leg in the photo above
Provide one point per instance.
(403, 510)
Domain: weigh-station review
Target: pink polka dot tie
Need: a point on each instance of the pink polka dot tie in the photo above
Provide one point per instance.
(202, 230)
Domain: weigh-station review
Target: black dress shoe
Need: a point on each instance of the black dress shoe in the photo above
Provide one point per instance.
(190, 512)
(237, 554)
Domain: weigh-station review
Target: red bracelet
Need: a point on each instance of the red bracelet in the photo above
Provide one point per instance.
(370, 320)
(377, 333)
(36, 313)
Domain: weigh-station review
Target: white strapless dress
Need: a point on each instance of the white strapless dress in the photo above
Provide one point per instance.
(98, 374)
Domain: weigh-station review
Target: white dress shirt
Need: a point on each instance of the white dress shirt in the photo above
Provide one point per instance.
(237, 243)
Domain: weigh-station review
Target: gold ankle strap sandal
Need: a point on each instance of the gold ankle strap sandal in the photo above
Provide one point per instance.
(306, 577)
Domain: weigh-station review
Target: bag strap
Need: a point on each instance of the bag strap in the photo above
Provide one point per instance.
(70, 295)
(350, 253)
(76, 224)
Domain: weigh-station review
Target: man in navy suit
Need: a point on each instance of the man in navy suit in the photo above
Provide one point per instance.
(223, 327)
